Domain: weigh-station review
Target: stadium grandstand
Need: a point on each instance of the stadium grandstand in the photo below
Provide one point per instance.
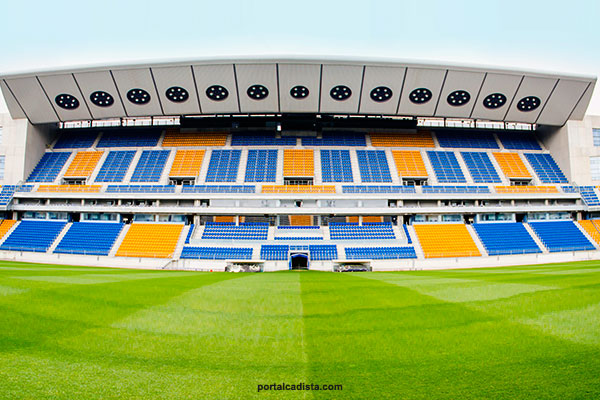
(287, 164)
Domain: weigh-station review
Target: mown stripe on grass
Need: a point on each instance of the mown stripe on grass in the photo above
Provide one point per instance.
(9, 290)
(98, 278)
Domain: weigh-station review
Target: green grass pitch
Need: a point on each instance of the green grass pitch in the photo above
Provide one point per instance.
(529, 332)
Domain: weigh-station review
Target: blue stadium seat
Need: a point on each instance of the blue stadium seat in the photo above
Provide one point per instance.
(76, 140)
(446, 167)
(335, 166)
(244, 231)
(189, 234)
(505, 238)
(130, 138)
(150, 166)
(49, 167)
(115, 166)
(275, 252)
(518, 140)
(337, 139)
(380, 253)
(455, 189)
(373, 166)
(93, 238)
(561, 236)
(261, 166)
(6, 194)
(32, 235)
(587, 194)
(140, 189)
(467, 139)
(261, 139)
(545, 168)
(480, 167)
(378, 189)
(223, 166)
(218, 189)
(377, 231)
(323, 252)
(216, 253)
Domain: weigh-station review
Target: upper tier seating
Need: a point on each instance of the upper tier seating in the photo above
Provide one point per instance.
(5, 226)
(417, 139)
(298, 189)
(129, 138)
(518, 141)
(373, 166)
(223, 166)
(335, 166)
(512, 165)
(378, 189)
(526, 189)
(140, 189)
(187, 163)
(480, 167)
(446, 240)
(341, 231)
(150, 166)
(93, 238)
(323, 252)
(244, 231)
(261, 166)
(337, 139)
(455, 189)
(379, 253)
(446, 167)
(591, 226)
(76, 140)
(218, 189)
(561, 236)
(70, 188)
(115, 166)
(31, 235)
(83, 164)
(49, 167)
(588, 194)
(409, 163)
(301, 220)
(261, 139)
(176, 138)
(150, 240)
(276, 252)
(298, 163)
(217, 253)
(6, 194)
(506, 238)
(546, 168)
(467, 138)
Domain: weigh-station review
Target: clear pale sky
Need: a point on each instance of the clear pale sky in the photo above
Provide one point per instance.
(553, 36)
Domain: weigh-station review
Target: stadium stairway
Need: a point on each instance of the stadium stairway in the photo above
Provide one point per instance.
(181, 242)
(117, 243)
(164, 177)
(415, 242)
(535, 238)
(279, 174)
(134, 162)
(477, 240)
(59, 238)
(354, 166)
(431, 177)
(241, 173)
(465, 170)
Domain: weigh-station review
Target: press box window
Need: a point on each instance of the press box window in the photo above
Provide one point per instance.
(596, 134)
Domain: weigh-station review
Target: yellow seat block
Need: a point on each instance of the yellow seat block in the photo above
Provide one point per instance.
(589, 225)
(5, 226)
(301, 220)
(298, 163)
(187, 163)
(298, 189)
(446, 240)
(512, 165)
(83, 164)
(175, 138)
(150, 240)
(390, 139)
(526, 189)
(409, 163)
(70, 188)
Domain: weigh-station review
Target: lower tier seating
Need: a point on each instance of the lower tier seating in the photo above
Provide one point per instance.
(216, 253)
(380, 253)
(340, 231)
(218, 189)
(321, 252)
(150, 240)
(244, 231)
(378, 189)
(5, 226)
(94, 238)
(274, 252)
(591, 226)
(140, 189)
(561, 236)
(446, 240)
(31, 235)
(506, 238)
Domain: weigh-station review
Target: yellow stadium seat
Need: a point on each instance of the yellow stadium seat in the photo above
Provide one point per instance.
(298, 163)
(512, 165)
(150, 240)
(187, 163)
(372, 218)
(409, 163)
(5, 226)
(301, 220)
(590, 226)
(352, 219)
(83, 164)
(175, 138)
(298, 189)
(224, 218)
(70, 188)
(446, 240)
(390, 139)
(526, 189)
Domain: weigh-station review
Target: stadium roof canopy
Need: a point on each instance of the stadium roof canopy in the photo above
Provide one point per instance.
(274, 86)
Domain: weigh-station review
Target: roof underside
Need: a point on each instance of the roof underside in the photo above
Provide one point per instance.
(297, 86)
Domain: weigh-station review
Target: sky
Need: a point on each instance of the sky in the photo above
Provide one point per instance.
(551, 36)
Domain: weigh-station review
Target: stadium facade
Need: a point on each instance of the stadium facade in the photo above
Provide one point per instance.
(277, 164)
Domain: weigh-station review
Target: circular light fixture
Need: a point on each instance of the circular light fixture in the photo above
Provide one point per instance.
(102, 99)
(381, 94)
(138, 96)
(177, 94)
(420, 95)
(458, 98)
(66, 101)
(340, 93)
(494, 100)
(257, 92)
(528, 103)
(299, 92)
(217, 93)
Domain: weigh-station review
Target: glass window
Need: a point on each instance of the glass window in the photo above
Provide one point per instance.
(595, 168)
(596, 133)
(2, 160)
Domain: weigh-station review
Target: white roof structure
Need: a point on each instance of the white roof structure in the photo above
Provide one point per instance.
(275, 86)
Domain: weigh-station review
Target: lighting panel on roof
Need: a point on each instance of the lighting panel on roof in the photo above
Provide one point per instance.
(381, 94)
(217, 93)
(102, 99)
(528, 103)
(420, 95)
(66, 101)
(138, 96)
(299, 92)
(494, 100)
(257, 92)
(177, 94)
(340, 92)
(458, 98)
